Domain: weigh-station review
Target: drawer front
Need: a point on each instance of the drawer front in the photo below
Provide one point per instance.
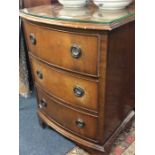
(71, 51)
(80, 123)
(64, 86)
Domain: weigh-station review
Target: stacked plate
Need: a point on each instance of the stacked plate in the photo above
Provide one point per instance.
(102, 4)
(112, 4)
(73, 3)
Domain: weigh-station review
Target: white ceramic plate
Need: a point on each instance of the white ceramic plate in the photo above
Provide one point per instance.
(73, 3)
(112, 4)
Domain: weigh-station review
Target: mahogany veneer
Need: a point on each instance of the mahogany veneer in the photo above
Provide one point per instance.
(60, 42)
(84, 78)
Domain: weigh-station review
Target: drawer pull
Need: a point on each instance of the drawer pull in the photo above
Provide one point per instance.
(80, 123)
(32, 38)
(79, 92)
(75, 51)
(39, 74)
(42, 103)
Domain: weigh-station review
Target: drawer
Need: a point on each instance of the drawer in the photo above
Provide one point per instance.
(79, 123)
(72, 51)
(66, 87)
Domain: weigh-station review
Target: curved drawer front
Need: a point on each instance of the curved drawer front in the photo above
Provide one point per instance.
(80, 123)
(76, 52)
(65, 86)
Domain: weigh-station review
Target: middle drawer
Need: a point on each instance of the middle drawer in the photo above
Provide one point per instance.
(66, 87)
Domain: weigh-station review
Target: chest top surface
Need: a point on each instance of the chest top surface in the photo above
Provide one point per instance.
(89, 17)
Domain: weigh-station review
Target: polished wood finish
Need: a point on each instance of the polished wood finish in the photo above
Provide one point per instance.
(93, 115)
(69, 134)
(54, 47)
(57, 111)
(91, 147)
(61, 84)
(120, 77)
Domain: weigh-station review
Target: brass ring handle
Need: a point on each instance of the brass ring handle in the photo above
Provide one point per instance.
(42, 103)
(39, 74)
(75, 51)
(32, 38)
(78, 91)
(80, 123)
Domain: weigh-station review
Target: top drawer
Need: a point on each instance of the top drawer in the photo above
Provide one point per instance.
(71, 51)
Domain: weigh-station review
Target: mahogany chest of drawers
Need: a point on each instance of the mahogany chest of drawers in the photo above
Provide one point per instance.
(84, 77)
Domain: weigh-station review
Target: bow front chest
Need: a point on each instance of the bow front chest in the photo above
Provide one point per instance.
(83, 70)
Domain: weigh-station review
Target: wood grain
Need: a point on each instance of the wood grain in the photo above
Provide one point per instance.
(54, 47)
(119, 77)
(61, 85)
(67, 117)
(105, 72)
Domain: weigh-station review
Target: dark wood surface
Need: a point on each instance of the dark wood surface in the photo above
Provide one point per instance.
(59, 43)
(61, 84)
(67, 117)
(109, 97)
(26, 73)
(120, 77)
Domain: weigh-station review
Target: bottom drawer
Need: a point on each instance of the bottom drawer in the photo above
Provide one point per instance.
(80, 123)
